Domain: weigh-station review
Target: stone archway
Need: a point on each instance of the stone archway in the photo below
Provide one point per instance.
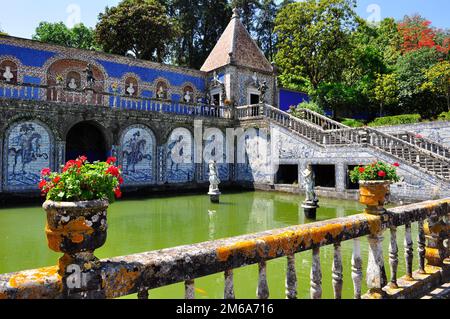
(86, 138)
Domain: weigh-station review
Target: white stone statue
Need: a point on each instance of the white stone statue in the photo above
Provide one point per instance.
(8, 76)
(161, 93)
(308, 182)
(73, 84)
(130, 89)
(214, 180)
(187, 97)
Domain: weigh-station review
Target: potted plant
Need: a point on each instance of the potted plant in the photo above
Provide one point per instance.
(76, 204)
(374, 183)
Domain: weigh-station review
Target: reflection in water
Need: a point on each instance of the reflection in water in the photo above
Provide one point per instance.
(212, 226)
(137, 226)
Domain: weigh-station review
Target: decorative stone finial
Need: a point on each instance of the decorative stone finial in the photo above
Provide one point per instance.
(236, 13)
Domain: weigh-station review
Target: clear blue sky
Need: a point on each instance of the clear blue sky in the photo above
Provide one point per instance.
(20, 17)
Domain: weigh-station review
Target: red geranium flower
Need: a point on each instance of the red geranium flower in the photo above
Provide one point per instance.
(396, 164)
(120, 180)
(382, 173)
(82, 159)
(118, 193)
(362, 169)
(114, 171)
(46, 171)
(42, 184)
(111, 160)
(56, 179)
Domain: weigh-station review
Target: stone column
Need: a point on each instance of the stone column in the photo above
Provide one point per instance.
(60, 152)
(437, 232)
(340, 177)
(161, 164)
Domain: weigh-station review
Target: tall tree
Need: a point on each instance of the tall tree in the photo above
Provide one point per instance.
(386, 90)
(248, 12)
(265, 27)
(313, 37)
(140, 26)
(79, 36)
(437, 80)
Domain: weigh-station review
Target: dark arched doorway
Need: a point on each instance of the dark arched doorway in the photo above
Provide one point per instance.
(86, 139)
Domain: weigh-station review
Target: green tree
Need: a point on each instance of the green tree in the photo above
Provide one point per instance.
(140, 26)
(199, 26)
(313, 37)
(79, 36)
(265, 27)
(410, 71)
(248, 12)
(437, 80)
(386, 90)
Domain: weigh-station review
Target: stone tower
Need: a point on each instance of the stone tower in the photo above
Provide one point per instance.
(237, 68)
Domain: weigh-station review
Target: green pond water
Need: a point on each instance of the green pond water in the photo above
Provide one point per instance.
(137, 226)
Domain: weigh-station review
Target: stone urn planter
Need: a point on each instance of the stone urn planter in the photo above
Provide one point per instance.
(76, 229)
(373, 195)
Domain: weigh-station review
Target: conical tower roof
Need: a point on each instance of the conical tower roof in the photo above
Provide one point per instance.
(236, 47)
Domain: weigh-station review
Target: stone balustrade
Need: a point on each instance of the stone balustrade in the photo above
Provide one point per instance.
(424, 158)
(140, 273)
(59, 94)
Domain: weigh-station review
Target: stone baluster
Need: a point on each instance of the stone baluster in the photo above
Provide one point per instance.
(393, 258)
(291, 278)
(437, 236)
(376, 273)
(189, 289)
(357, 273)
(143, 293)
(263, 287)
(316, 275)
(337, 272)
(408, 251)
(229, 285)
(421, 243)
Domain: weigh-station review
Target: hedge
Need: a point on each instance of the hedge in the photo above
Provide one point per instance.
(396, 120)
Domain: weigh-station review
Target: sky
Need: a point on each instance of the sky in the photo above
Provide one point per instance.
(21, 17)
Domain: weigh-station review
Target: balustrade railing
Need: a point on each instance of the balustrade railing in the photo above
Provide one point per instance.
(422, 156)
(142, 272)
(60, 94)
(424, 143)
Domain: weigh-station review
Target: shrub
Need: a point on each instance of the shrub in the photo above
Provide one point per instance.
(353, 123)
(312, 106)
(82, 181)
(377, 171)
(396, 120)
(444, 116)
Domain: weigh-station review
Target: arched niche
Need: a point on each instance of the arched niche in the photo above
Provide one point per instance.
(8, 71)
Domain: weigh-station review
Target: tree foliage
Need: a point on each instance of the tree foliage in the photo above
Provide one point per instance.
(79, 36)
(313, 37)
(138, 26)
(437, 80)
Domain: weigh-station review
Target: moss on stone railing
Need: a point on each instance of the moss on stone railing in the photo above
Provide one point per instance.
(139, 273)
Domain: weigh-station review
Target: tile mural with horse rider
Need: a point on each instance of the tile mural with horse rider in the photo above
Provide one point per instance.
(27, 152)
(138, 149)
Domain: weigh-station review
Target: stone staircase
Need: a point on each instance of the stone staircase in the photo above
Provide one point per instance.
(420, 153)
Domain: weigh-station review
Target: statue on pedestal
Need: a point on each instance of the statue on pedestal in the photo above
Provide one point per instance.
(310, 204)
(214, 182)
(90, 80)
(263, 91)
(8, 75)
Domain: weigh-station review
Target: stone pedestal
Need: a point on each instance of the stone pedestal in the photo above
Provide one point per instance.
(214, 197)
(310, 209)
